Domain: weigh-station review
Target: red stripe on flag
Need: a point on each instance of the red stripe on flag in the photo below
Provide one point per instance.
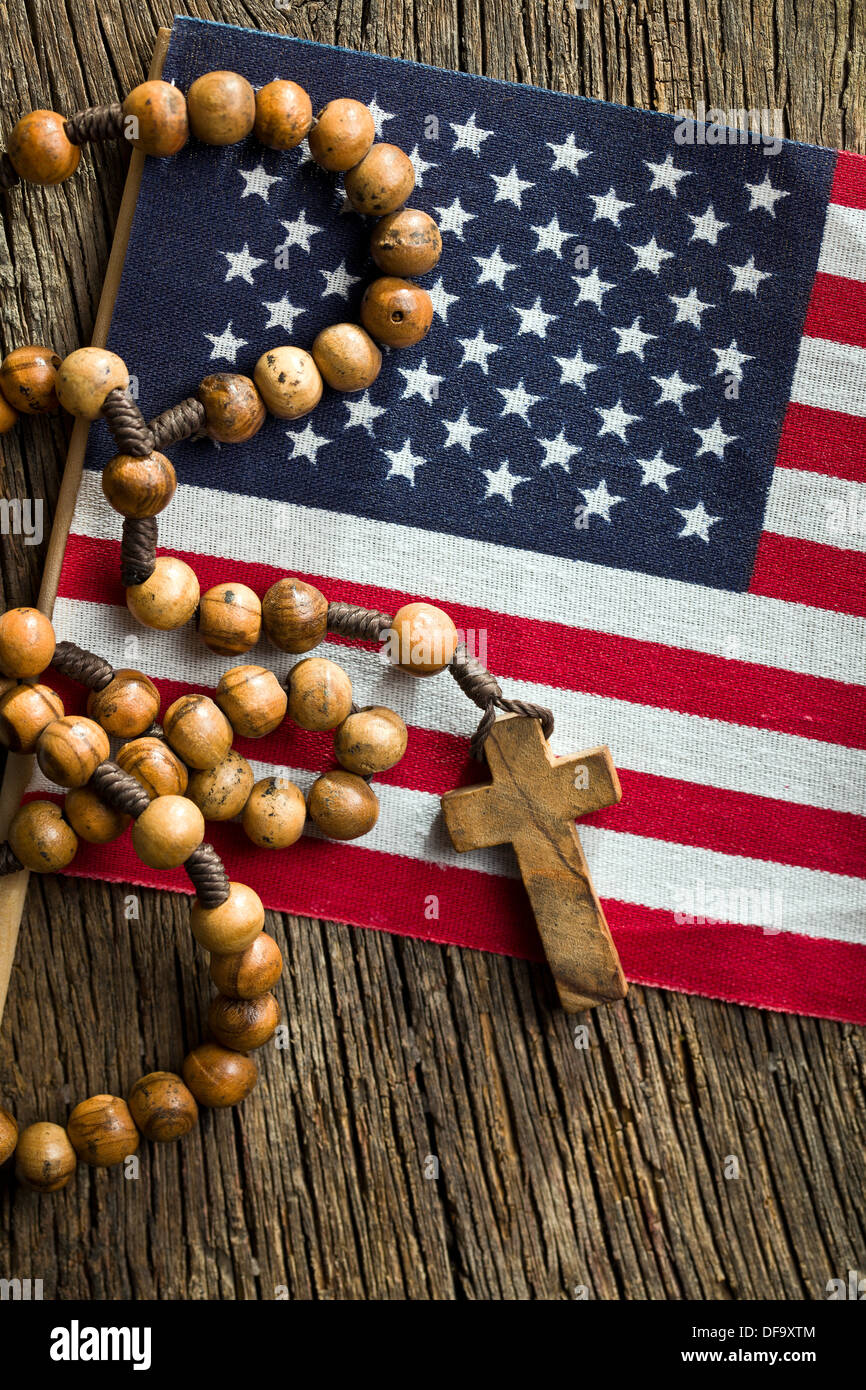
(849, 180)
(820, 576)
(567, 658)
(823, 441)
(837, 311)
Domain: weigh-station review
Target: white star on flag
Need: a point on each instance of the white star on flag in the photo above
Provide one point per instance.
(283, 313)
(363, 413)
(518, 401)
(493, 269)
(764, 197)
(306, 443)
(597, 501)
(633, 339)
(534, 320)
(552, 237)
(698, 522)
(420, 382)
(673, 388)
(689, 307)
(510, 188)
(608, 206)
(501, 482)
(575, 370)
(558, 451)
(461, 432)
(477, 350)
(650, 256)
(339, 281)
(567, 155)
(731, 360)
(615, 420)
(469, 136)
(403, 462)
(241, 264)
(225, 345)
(441, 299)
(298, 233)
(454, 219)
(747, 278)
(379, 116)
(707, 226)
(258, 182)
(656, 471)
(713, 439)
(666, 175)
(420, 166)
(591, 288)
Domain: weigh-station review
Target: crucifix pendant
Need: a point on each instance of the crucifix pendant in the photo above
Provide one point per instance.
(532, 803)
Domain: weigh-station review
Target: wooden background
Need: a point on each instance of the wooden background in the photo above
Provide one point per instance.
(603, 1168)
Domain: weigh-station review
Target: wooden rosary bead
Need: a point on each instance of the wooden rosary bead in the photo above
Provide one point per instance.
(252, 700)
(250, 972)
(86, 376)
(26, 643)
(219, 1077)
(295, 615)
(243, 1024)
(221, 792)
(229, 619)
(93, 819)
(44, 1158)
(371, 740)
(153, 764)
(396, 312)
(342, 805)
(320, 693)
(221, 108)
(9, 1134)
(139, 487)
(381, 182)
(70, 749)
(168, 598)
(41, 839)
(25, 711)
(347, 357)
(342, 135)
(234, 410)
(40, 149)
(198, 731)
(284, 115)
(8, 416)
(232, 926)
(424, 639)
(407, 242)
(127, 706)
(28, 377)
(102, 1131)
(162, 1107)
(289, 381)
(159, 110)
(167, 832)
(274, 814)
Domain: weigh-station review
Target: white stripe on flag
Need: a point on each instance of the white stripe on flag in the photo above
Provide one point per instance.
(843, 246)
(830, 376)
(812, 507)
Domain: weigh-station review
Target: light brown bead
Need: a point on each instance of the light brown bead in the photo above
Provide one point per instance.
(289, 381)
(381, 182)
(295, 615)
(252, 700)
(153, 764)
(40, 149)
(167, 832)
(86, 376)
(28, 377)
(244, 1024)
(163, 1107)
(347, 357)
(320, 693)
(25, 710)
(160, 111)
(275, 813)
(198, 731)
(168, 598)
(422, 640)
(70, 749)
(26, 643)
(407, 242)
(250, 972)
(221, 792)
(219, 1077)
(284, 114)
(396, 312)
(44, 1158)
(342, 135)
(229, 619)
(371, 741)
(102, 1131)
(8, 1135)
(234, 410)
(342, 805)
(127, 705)
(221, 107)
(91, 818)
(139, 487)
(8, 416)
(232, 926)
(40, 837)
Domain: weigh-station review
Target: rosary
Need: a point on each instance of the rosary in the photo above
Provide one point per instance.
(167, 779)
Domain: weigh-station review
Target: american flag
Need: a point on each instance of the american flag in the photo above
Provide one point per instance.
(630, 454)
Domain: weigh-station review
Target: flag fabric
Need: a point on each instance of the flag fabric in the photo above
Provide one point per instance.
(629, 459)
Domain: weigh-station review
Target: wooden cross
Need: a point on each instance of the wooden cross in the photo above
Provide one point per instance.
(532, 803)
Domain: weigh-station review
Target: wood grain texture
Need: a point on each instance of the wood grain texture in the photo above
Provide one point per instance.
(559, 1167)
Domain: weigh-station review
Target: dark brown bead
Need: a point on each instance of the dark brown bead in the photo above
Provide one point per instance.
(221, 792)
(153, 764)
(342, 135)
(320, 693)
(396, 312)
(381, 182)
(275, 813)
(371, 740)
(160, 112)
(197, 730)
(295, 615)
(44, 1158)
(347, 357)
(102, 1131)
(139, 487)
(244, 1024)
(217, 1076)
(229, 619)
(283, 115)
(234, 410)
(25, 711)
(70, 750)
(221, 107)
(41, 839)
(252, 700)
(163, 1108)
(28, 378)
(407, 242)
(91, 818)
(40, 149)
(250, 972)
(127, 706)
(342, 805)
